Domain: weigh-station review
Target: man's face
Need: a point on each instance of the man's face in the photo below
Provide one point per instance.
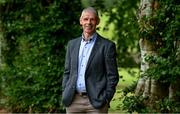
(88, 22)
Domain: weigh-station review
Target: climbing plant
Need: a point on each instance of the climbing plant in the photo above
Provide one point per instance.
(35, 34)
(159, 22)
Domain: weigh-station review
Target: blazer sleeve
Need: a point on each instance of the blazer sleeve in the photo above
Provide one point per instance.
(111, 70)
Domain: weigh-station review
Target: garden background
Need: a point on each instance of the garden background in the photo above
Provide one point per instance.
(33, 39)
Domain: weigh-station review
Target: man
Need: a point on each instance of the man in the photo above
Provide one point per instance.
(91, 73)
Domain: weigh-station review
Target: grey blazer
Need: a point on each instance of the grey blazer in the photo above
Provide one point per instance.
(101, 74)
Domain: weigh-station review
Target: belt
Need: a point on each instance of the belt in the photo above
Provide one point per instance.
(81, 93)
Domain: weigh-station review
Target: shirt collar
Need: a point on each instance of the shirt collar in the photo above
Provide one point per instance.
(92, 37)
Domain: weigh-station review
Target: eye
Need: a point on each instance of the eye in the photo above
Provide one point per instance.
(92, 19)
(85, 19)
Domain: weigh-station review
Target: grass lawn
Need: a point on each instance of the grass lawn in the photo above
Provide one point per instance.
(129, 75)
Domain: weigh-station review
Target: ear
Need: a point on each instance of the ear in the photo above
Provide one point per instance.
(80, 21)
(98, 21)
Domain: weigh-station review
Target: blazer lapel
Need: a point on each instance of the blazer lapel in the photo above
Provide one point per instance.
(94, 50)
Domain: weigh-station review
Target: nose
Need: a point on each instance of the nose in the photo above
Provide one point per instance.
(89, 21)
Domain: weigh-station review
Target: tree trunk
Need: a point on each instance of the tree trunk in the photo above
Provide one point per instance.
(146, 86)
(174, 87)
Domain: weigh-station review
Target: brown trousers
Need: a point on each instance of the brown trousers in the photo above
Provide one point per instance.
(81, 104)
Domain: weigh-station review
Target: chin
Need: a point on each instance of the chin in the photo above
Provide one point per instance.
(89, 31)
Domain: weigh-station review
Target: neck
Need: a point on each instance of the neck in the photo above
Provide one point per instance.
(87, 36)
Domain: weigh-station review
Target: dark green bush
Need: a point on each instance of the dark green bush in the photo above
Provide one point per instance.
(134, 103)
(35, 34)
(167, 106)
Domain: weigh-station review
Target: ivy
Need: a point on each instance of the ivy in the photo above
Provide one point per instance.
(163, 30)
(35, 34)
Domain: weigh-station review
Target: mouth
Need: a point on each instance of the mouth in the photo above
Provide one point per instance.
(88, 27)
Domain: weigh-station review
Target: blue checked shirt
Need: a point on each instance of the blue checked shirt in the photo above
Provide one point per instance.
(84, 53)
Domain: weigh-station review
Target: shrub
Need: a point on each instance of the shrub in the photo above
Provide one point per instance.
(35, 37)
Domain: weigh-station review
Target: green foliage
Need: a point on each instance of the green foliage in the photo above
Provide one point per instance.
(163, 69)
(139, 104)
(163, 30)
(167, 106)
(122, 15)
(133, 103)
(130, 88)
(36, 34)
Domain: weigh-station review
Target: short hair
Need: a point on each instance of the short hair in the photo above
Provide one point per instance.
(90, 9)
